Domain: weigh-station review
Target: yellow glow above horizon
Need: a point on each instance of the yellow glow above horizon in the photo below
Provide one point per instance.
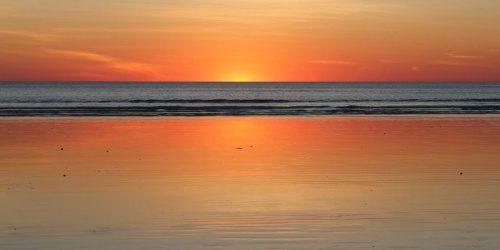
(238, 76)
(248, 40)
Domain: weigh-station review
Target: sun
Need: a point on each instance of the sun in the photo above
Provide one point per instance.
(239, 78)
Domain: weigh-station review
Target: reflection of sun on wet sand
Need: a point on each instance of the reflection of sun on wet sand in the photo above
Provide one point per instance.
(250, 182)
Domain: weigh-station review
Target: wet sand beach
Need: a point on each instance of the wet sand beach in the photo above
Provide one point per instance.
(407, 182)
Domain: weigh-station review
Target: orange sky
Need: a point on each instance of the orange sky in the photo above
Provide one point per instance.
(249, 40)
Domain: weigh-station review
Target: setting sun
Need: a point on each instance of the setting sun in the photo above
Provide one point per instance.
(240, 74)
(239, 78)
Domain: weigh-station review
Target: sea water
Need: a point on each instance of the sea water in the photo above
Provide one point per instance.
(227, 98)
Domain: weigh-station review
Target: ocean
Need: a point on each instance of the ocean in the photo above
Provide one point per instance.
(245, 99)
(249, 166)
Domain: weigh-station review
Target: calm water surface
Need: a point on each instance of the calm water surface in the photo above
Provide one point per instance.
(250, 183)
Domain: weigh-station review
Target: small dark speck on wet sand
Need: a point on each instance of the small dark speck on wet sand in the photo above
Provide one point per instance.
(461, 173)
(64, 175)
(239, 148)
(62, 149)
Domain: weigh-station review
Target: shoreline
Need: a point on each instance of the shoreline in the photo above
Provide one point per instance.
(415, 116)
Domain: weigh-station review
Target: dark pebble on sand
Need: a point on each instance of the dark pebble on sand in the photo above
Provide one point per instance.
(461, 173)
(64, 175)
(62, 149)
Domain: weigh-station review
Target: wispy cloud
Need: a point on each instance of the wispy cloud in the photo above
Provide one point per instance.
(9, 11)
(450, 63)
(453, 55)
(390, 61)
(462, 63)
(82, 55)
(263, 14)
(39, 36)
(338, 62)
(108, 62)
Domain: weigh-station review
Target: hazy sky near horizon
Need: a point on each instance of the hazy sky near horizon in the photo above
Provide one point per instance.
(274, 40)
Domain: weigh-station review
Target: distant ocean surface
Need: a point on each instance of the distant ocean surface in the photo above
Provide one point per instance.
(245, 99)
